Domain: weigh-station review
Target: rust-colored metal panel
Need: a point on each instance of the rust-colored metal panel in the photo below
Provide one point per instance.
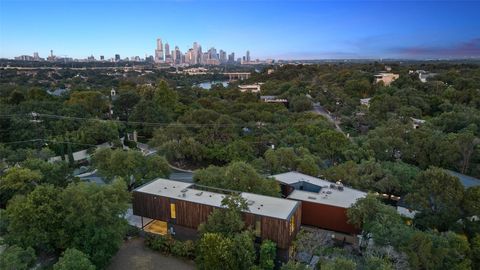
(327, 217)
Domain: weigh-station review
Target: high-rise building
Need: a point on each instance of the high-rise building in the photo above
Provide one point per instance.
(102, 58)
(159, 51)
(168, 56)
(223, 56)
(117, 57)
(231, 58)
(177, 56)
(248, 56)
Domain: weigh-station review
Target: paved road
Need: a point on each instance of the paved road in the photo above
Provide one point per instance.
(317, 108)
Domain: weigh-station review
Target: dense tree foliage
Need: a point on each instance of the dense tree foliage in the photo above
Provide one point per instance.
(51, 219)
(131, 165)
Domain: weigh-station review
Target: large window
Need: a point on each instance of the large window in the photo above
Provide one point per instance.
(292, 224)
(173, 213)
(258, 228)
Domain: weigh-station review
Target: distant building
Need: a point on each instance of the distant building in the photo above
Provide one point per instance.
(252, 88)
(117, 57)
(273, 99)
(102, 58)
(231, 58)
(386, 78)
(365, 102)
(159, 51)
(247, 57)
(416, 123)
(324, 203)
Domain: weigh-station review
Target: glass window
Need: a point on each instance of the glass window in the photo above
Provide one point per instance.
(258, 228)
(292, 224)
(173, 213)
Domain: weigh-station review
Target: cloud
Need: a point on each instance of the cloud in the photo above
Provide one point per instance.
(470, 48)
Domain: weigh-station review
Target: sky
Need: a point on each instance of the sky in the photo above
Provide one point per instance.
(269, 29)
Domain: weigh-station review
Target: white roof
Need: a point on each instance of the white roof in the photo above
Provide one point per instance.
(326, 195)
(258, 204)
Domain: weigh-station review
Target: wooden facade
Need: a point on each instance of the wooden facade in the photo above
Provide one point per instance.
(191, 215)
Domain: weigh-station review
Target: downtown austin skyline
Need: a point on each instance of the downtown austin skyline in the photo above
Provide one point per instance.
(286, 30)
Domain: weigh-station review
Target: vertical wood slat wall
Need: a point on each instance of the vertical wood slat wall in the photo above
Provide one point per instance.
(191, 215)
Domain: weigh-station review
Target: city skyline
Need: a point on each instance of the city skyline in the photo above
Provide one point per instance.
(289, 30)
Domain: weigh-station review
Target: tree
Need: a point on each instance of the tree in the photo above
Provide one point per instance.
(93, 219)
(55, 173)
(226, 221)
(238, 176)
(73, 259)
(243, 250)
(339, 263)
(268, 253)
(18, 181)
(129, 164)
(35, 220)
(475, 247)
(438, 196)
(214, 252)
(17, 258)
(124, 104)
(331, 144)
(93, 102)
(471, 206)
(300, 104)
(291, 265)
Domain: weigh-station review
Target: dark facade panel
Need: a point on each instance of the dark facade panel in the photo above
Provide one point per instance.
(327, 217)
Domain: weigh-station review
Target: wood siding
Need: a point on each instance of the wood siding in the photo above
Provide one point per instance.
(190, 215)
(327, 217)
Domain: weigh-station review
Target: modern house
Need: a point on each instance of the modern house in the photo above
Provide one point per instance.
(273, 99)
(324, 204)
(178, 208)
(252, 88)
(386, 78)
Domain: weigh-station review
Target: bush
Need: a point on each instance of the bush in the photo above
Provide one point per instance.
(184, 249)
(160, 243)
(132, 231)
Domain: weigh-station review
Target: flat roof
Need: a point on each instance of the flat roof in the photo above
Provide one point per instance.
(327, 195)
(257, 204)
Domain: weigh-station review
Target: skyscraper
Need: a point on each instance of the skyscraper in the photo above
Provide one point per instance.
(117, 57)
(168, 57)
(223, 56)
(231, 58)
(159, 51)
(177, 57)
(248, 56)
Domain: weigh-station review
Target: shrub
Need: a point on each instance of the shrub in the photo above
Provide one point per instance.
(160, 243)
(184, 249)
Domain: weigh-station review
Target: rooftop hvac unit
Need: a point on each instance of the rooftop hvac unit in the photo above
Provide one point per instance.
(332, 186)
(340, 188)
(250, 202)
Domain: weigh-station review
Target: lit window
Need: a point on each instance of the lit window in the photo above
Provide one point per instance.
(258, 228)
(292, 224)
(173, 213)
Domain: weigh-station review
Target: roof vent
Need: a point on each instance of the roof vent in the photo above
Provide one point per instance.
(340, 188)
(199, 193)
(250, 202)
(329, 192)
(184, 190)
(312, 198)
(332, 186)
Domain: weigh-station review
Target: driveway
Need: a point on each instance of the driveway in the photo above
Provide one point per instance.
(133, 254)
